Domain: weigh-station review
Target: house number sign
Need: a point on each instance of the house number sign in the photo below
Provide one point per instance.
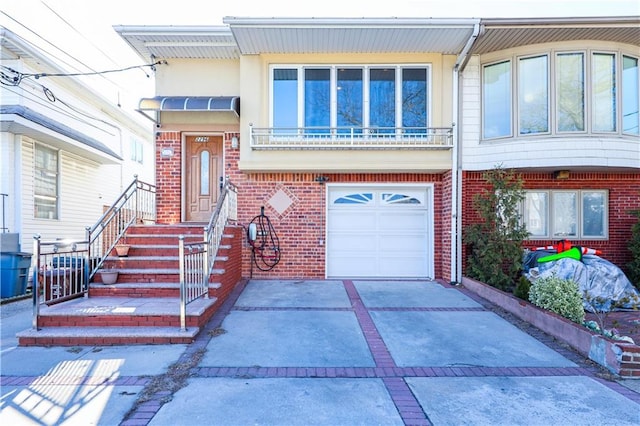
(202, 138)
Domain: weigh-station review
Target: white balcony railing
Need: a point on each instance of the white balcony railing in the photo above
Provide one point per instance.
(351, 138)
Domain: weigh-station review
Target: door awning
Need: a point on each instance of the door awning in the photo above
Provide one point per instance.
(191, 103)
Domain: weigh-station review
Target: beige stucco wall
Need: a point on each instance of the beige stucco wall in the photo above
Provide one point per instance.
(198, 77)
(248, 77)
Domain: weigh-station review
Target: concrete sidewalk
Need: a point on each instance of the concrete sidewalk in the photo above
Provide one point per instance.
(323, 352)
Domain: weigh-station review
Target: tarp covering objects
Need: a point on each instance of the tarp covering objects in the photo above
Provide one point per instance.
(606, 286)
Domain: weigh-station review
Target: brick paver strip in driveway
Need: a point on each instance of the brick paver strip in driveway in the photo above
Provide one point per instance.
(417, 362)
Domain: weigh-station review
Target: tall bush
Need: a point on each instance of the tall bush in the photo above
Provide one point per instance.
(633, 267)
(495, 242)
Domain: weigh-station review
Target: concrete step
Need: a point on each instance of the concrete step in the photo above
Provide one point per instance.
(106, 336)
(124, 312)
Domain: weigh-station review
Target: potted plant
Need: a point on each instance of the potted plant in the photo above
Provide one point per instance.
(122, 248)
(109, 276)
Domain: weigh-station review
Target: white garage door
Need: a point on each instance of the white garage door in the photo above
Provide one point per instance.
(379, 231)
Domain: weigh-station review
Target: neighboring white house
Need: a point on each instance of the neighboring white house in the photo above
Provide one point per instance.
(66, 152)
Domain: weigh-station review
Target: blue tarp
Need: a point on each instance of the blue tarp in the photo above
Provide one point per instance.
(603, 282)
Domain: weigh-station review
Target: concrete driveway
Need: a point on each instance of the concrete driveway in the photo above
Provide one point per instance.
(339, 352)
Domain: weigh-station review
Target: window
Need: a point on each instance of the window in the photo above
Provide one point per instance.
(382, 99)
(604, 92)
(580, 214)
(533, 95)
(351, 99)
(570, 92)
(317, 99)
(561, 93)
(497, 100)
(285, 98)
(630, 97)
(45, 183)
(137, 149)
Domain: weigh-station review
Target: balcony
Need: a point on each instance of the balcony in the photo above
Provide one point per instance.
(351, 138)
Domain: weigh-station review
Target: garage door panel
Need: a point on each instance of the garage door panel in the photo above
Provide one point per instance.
(354, 266)
(382, 232)
(403, 243)
(351, 221)
(345, 243)
(403, 267)
(413, 221)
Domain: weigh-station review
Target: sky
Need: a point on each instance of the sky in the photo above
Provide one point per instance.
(79, 34)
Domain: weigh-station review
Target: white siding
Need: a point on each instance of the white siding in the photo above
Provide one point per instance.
(592, 151)
(81, 183)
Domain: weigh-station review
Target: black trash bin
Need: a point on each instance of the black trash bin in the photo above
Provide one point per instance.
(14, 273)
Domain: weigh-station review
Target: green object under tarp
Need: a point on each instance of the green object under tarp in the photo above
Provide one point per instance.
(572, 253)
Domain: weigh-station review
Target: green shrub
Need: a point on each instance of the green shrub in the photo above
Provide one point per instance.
(495, 240)
(558, 295)
(522, 288)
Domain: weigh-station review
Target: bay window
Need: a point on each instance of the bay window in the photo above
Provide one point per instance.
(570, 214)
(560, 93)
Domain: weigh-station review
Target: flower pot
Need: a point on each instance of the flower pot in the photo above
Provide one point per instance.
(109, 277)
(122, 250)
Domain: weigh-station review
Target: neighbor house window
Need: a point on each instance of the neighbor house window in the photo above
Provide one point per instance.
(351, 99)
(45, 185)
(137, 149)
(630, 97)
(555, 214)
(533, 95)
(603, 84)
(496, 105)
(561, 93)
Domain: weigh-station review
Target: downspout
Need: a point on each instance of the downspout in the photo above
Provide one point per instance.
(456, 181)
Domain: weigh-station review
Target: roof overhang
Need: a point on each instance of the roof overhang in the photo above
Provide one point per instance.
(21, 120)
(181, 42)
(501, 34)
(192, 103)
(350, 35)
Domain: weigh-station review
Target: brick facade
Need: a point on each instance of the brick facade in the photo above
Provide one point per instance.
(624, 195)
(301, 227)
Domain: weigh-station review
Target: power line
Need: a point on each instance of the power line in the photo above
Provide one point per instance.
(106, 55)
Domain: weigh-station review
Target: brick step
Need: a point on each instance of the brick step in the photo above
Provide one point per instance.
(160, 239)
(168, 275)
(149, 262)
(177, 229)
(106, 336)
(155, 289)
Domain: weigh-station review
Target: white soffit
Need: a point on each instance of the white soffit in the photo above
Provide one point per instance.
(182, 42)
(349, 35)
(501, 34)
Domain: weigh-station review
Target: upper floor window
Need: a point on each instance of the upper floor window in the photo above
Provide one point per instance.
(45, 184)
(350, 98)
(561, 93)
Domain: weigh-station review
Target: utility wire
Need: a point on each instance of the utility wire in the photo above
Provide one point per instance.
(106, 55)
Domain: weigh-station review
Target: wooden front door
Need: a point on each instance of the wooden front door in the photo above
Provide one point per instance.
(203, 175)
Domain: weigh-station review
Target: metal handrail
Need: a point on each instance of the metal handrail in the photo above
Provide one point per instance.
(196, 259)
(60, 272)
(136, 203)
(351, 137)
